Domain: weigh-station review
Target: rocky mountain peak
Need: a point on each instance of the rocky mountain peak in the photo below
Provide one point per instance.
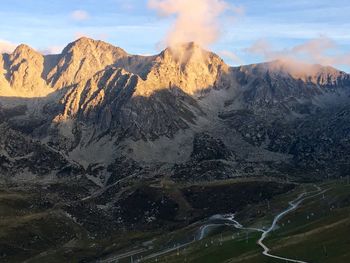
(87, 44)
(25, 54)
(185, 66)
(24, 50)
(81, 59)
(82, 41)
(23, 71)
(188, 54)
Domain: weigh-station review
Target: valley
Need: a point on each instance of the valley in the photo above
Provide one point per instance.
(296, 233)
(319, 219)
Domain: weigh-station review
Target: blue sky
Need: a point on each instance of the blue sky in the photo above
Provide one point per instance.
(50, 25)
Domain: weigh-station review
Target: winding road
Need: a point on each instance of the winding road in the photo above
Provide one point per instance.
(293, 205)
(229, 220)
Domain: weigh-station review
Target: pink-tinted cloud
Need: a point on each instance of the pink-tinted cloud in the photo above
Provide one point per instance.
(80, 15)
(263, 48)
(321, 50)
(230, 56)
(78, 35)
(196, 20)
(6, 46)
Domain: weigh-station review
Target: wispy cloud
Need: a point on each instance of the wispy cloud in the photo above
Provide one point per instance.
(80, 15)
(6, 46)
(78, 35)
(131, 25)
(321, 50)
(52, 50)
(231, 56)
(125, 5)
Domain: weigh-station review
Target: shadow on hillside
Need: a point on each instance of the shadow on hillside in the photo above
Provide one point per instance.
(120, 113)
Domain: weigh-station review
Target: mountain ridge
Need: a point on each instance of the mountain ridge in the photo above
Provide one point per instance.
(153, 110)
(83, 58)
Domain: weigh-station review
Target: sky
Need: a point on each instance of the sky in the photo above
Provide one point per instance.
(249, 31)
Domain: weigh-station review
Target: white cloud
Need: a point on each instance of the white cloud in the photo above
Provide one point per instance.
(52, 50)
(80, 15)
(6, 46)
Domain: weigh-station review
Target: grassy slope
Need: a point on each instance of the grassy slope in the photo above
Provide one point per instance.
(37, 233)
(317, 232)
(48, 235)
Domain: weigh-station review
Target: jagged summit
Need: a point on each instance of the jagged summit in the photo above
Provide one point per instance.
(23, 49)
(186, 66)
(188, 52)
(85, 43)
(23, 71)
(81, 59)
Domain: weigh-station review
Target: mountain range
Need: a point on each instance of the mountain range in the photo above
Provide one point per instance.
(183, 112)
(97, 144)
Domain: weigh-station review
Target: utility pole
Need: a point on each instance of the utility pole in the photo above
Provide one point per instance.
(325, 250)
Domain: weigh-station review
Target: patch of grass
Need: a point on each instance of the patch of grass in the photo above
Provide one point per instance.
(215, 248)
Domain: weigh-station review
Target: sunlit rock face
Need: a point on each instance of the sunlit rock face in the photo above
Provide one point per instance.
(30, 74)
(80, 60)
(109, 101)
(4, 84)
(157, 100)
(22, 73)
(187, 67)
(94, 104)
